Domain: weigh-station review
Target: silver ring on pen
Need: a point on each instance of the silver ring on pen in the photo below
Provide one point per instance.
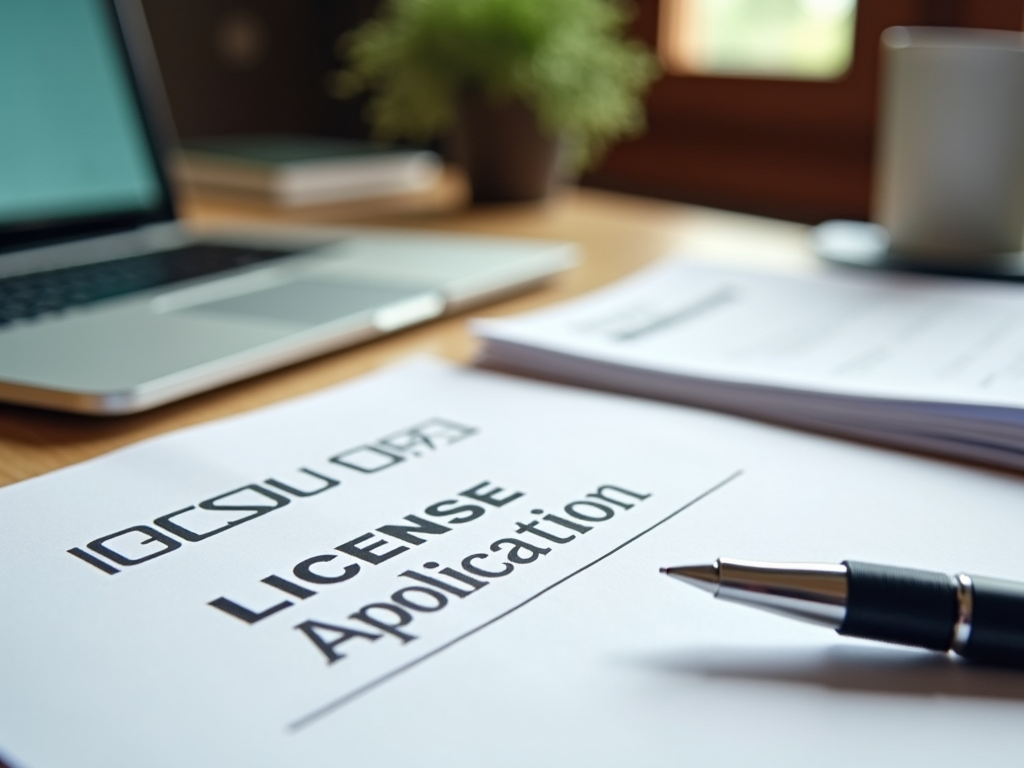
(964, 611)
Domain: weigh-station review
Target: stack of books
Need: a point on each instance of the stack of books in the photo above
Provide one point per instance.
(292, 170)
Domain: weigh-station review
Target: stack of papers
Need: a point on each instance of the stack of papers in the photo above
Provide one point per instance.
(932, 364)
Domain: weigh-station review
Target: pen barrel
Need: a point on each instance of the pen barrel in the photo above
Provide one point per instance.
(900, 605)
(997, 622)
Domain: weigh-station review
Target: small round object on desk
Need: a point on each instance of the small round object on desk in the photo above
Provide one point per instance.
(866, 245)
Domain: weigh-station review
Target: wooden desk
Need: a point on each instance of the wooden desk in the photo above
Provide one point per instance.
(617, 234)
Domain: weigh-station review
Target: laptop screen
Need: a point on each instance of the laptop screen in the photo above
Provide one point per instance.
(74, 146)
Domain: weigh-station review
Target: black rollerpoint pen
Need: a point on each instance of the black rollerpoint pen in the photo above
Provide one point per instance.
(977, 617)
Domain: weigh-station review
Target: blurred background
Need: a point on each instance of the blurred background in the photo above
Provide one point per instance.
(766, 106)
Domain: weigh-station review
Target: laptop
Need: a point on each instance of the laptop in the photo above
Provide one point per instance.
(110, 305)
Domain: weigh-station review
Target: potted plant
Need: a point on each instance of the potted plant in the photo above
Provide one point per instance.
(517, 84)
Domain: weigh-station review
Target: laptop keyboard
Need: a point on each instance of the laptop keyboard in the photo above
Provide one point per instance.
(26, 296)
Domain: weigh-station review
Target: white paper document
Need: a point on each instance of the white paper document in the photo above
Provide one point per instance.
(440, 567)
(931, 363)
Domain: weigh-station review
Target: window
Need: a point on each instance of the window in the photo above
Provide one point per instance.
(806, 39)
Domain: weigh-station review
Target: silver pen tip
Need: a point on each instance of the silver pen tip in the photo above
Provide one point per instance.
(701, 576)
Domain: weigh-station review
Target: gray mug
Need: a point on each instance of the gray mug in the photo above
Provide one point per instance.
(949, 172)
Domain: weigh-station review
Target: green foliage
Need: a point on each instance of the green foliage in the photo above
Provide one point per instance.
(565, 59)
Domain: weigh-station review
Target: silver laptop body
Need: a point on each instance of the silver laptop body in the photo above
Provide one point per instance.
(109, 305)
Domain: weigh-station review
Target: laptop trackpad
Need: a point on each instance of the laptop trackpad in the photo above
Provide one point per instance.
(308, 303)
